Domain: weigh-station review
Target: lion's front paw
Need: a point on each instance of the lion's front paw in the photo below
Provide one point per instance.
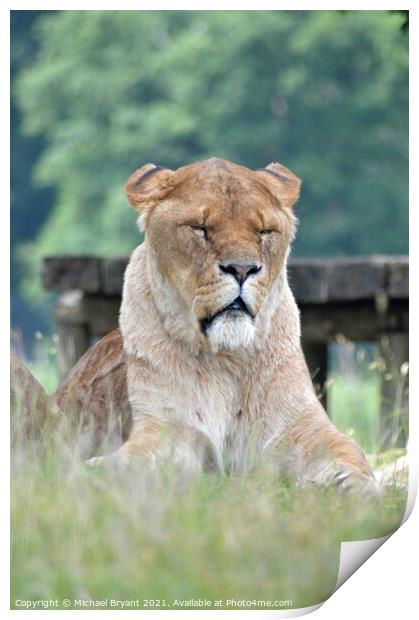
(115, 461)
(351, 481)
(95, 461)
(347, 479)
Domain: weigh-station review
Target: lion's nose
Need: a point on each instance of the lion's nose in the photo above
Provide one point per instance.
(240, 272)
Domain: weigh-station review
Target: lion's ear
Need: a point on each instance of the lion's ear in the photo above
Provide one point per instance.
(148, 184)
(282, 183)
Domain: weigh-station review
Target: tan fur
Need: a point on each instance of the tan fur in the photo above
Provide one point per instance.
(94, 396)
(31, 409)
(237, 394)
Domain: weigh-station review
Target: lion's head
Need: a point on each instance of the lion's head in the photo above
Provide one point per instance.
(219, 234)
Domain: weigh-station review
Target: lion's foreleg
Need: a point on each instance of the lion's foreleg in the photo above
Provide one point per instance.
(155, 442)
(314, 451)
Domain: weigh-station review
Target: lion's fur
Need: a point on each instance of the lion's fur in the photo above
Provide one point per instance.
(31, 409)
(214, 397)
(94, 396)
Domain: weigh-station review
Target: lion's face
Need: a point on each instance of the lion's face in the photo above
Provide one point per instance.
(220, 235)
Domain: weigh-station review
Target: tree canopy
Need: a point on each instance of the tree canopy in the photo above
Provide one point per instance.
(323, 92)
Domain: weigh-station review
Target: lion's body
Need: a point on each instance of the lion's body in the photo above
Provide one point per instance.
(216, 375)
(94, 396)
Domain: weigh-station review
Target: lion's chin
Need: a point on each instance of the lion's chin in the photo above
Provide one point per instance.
(231, 331)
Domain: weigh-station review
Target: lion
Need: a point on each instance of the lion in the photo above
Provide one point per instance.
(216, 376)
(207, 368)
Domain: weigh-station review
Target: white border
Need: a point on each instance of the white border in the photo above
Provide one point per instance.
(386, 585)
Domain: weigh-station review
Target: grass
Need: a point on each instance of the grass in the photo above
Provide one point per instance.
(80, 533)
(43, 364)
(95, 534)
(354, 406)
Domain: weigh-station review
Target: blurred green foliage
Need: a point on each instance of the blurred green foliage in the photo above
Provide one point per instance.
(324, 92)
(30, 204)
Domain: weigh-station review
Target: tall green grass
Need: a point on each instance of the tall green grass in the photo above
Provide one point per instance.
(354, 406)
(92, 533)
(103, 534)
(44, 364)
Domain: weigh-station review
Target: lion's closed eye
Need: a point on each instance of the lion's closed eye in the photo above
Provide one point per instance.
(200, 231)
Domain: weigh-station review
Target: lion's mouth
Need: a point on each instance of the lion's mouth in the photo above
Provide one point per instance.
(235, 308)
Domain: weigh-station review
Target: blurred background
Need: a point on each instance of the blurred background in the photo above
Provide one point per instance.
(96, 94)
